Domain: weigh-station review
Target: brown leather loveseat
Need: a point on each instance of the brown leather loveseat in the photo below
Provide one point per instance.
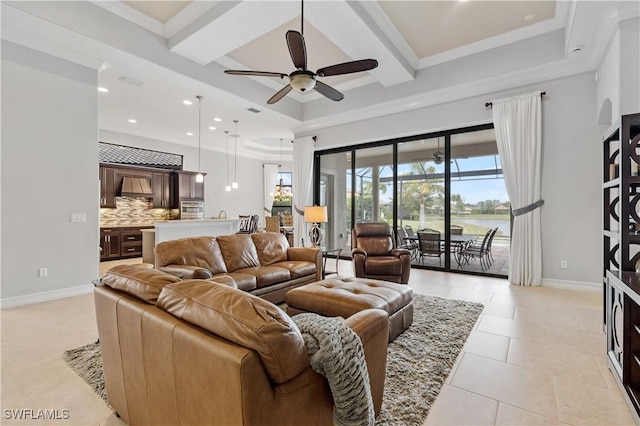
(197, 352)
(262, 264)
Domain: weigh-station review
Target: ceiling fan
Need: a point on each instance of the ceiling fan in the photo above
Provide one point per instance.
(438, 156)
(302, 80)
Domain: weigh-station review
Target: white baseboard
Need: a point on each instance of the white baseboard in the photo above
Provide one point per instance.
(45, 296)
(571, 285)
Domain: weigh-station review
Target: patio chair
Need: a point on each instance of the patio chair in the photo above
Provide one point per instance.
(409, 230)
(489, 244)
(477, 252)
(429, 245)
(402, 241)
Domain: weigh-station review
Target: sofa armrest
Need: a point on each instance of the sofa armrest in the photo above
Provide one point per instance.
(372, 326)
(398, 252)
(187, 272)
(358, 251)
(308, 254)
(358, 256)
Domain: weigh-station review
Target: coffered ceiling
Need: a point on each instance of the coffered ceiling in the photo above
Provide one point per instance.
(152, 55)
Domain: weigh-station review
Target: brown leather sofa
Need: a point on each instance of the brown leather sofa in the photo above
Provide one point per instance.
(262, 264)
(196, 352)
(375, 256)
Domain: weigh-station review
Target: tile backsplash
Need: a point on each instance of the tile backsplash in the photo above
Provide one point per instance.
(134, 211)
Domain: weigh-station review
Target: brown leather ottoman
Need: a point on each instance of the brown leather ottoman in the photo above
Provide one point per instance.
(343, 297)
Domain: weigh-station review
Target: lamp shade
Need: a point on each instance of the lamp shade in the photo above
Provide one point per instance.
(315, 214)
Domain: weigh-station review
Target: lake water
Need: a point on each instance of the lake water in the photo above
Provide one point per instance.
(503, 225)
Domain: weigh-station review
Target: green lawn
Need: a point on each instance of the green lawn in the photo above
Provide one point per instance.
(437, 223)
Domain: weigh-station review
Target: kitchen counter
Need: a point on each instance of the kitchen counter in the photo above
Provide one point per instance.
(136, 225)
(166, 230)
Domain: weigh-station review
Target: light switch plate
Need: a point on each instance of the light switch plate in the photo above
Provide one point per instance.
(78, 217)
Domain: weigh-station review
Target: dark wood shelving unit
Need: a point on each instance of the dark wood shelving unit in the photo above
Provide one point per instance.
(621, 255)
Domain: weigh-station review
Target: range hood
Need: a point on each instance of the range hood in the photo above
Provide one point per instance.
(136, 187)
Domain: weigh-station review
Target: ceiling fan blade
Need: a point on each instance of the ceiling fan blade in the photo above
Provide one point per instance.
(280, 94)
(256, 73)
(348, 67)
(329, 91)
(297, 49)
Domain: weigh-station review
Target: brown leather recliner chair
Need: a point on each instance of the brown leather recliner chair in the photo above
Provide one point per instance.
(375, 256)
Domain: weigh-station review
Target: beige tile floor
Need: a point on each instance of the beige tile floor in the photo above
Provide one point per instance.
(536, 356)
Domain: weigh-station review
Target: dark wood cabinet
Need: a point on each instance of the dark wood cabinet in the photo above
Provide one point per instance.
(121, 242)
(109, 243)
(162, 195)
(621, 255)
(187, 188)
(108, 187)
(131, 241)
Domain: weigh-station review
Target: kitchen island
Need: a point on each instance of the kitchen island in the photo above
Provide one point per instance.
(166, 230)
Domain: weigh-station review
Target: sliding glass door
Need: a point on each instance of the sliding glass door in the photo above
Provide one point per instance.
(446, 186)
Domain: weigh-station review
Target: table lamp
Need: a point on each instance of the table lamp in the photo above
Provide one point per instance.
(315, 215)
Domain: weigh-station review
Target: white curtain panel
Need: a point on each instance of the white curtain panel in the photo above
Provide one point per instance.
(269, 186)
(303, 149)
(518, 127)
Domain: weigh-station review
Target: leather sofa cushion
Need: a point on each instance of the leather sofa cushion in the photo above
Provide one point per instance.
(203, 252)
(141, 282)
(244, 282)
(238, 251)
(267, 275)
(383, 265)
(272, 247)
(242, 318)
(297, 268)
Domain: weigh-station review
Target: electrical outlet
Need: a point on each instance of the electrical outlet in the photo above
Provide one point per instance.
(78, 217)
(42, 272)
(563, 264)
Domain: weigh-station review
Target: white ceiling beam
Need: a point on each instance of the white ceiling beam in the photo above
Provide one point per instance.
(357, 35)
(208, 38)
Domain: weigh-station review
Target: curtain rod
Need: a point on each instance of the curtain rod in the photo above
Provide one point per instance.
(490, 104)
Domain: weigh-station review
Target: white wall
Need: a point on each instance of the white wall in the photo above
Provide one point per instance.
(618, 83)
(630, 66)
(49, 170)
(247, 199)
(571, 168)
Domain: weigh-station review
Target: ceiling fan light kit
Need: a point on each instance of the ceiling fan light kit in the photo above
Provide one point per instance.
(438, 156)
(302, 80)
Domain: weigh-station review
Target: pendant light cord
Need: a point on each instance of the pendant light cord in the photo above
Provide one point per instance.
(227, 133)
(199, 126)
(235, 155)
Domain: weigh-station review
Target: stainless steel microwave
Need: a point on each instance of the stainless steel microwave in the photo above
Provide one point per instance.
(192, 210)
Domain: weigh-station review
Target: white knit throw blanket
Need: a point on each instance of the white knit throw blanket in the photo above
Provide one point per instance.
(336, 352)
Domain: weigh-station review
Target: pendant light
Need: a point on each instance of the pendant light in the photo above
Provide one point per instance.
(199, 176)
(227, 187)
(234, 185)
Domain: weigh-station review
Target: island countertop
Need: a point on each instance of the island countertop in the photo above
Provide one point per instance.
(166, 230)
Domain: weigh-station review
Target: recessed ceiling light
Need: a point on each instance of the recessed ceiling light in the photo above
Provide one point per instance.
(189, 134)
(187, 102)
(131, 120)
(211, 128)
(103, 89)
(217, 119)
(529, 17)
